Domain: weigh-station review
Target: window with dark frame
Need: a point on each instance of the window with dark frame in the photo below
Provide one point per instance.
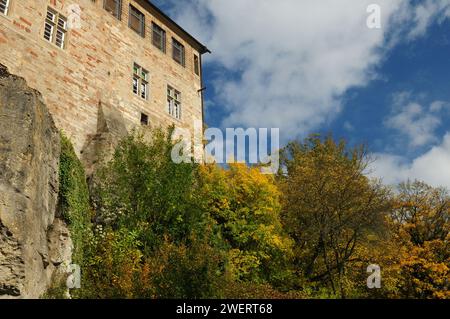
(144, 119)
(114, 7)
(196, 64)
(4, 5)
(178, 52)
(158, 37)
(137, 21)
(55, 28)
(140, 81)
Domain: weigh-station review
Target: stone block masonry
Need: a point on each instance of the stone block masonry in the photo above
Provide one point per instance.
(96, 65)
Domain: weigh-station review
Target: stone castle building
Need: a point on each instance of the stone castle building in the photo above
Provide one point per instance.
(88, 55)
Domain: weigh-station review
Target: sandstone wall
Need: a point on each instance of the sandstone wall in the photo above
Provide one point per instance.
(96, 67)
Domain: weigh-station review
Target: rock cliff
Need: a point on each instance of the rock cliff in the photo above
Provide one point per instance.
(34, 243)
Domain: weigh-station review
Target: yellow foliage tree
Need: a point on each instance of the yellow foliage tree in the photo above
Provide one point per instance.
(331, 209)
(245, 205)
(422, 219)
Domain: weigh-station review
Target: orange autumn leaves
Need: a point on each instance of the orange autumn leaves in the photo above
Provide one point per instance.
(421, 215)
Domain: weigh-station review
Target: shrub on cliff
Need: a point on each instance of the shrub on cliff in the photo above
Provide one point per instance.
(74, 198)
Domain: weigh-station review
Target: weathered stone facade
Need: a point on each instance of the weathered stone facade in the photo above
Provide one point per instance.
(96, 66)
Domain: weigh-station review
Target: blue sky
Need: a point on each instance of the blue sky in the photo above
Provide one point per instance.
(421, 67)
(310, 66)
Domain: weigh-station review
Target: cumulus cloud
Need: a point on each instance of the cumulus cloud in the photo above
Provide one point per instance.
(415, 122)
(290, 60)
(287, 63)
(432, 167)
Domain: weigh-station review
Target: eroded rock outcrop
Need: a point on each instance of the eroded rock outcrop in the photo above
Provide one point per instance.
(33, 244)
(12, 271)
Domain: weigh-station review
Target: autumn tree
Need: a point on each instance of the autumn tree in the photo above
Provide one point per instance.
(422, 218)
(245, 206)
(330, 208)
(157, 229)
(423, 212)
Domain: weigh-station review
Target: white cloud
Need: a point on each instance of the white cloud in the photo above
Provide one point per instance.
(295, 58)
(292, 60)
(287, 63)
(424, 13)
(414, 121)
(417, 124)
(432, 167)
(439, 106)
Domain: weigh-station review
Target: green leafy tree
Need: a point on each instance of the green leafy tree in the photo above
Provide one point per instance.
(156, 236)
(144, 190)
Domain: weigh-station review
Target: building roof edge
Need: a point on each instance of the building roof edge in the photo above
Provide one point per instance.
(203, 48)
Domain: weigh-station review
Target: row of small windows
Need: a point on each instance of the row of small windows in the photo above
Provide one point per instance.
(141, 89)
(137, 23)
(56, 28)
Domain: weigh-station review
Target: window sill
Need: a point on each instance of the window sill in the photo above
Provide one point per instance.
(7, 17)
(140, 98)
(178, 63)
(54, 46)
(137, 33)
(175, 119)
(159, 49)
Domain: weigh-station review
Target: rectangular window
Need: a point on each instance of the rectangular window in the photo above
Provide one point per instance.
(135, 85)
(178, 52)
(174, 102)
(159, 37)
(137, 21)
(48, 32)
(140, 82)
(144, 90)
(114, 7)
(60, 33)
(55, 28)
(196, 64)
(144, 119)
(4, 4)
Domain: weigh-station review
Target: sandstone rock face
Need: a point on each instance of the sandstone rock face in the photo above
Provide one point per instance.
(12, 271)
(33, 244)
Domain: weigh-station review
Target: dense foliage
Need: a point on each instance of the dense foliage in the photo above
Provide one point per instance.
(330, 208)
(165, 230)
(245, 207)
(73, 205)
